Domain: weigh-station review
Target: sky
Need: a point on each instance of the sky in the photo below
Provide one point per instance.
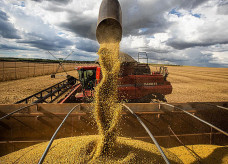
(182, 32)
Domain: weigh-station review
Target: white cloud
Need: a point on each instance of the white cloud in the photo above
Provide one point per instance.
(210, 28)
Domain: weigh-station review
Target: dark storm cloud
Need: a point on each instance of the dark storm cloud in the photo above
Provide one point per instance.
(139, 17)
(57, 5)
(223, 8)
(56, 8)
(145, 23)
(83, 26)
(7, 29)
(192, 57)
(149, 15)
(54, 43)
(11, 47)
(83, 56)
(166, 57)
(143, 16)
(76, 22)
(197, 58)
(186, 4)
(87, 45)
(58, 2)
(180, 45)
(158, 57)
(157, 50)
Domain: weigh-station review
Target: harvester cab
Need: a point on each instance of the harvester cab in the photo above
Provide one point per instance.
(87, 77)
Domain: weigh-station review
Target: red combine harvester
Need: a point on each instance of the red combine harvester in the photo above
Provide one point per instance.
(136, 83)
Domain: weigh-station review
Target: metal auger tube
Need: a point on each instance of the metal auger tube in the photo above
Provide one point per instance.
(109, 24)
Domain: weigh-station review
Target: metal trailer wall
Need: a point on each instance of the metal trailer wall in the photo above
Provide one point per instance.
(37, 124)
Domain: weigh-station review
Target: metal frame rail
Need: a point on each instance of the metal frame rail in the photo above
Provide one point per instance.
(16, 111)
(201, 120)
(218, 106)
(52, 92)
(53, 137)
(150, 134)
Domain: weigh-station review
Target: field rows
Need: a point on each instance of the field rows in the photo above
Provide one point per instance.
(20, 70)
(198, 84)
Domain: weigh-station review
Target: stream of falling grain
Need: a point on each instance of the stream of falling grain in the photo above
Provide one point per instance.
(107, 110)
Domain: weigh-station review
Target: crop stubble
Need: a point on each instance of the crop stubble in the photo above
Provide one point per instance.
(198, 84)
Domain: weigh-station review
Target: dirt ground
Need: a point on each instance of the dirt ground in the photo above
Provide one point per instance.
(190, 84)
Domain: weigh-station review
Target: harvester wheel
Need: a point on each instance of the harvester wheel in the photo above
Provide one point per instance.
(161, 98)
(158, 98)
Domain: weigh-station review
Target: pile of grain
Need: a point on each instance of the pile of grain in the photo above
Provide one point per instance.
(81, 150)
(209, 154)
(107, 110)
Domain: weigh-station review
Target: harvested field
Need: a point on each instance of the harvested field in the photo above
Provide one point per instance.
(20, 70)
(190, 84)
(197, 84)
(15, 90)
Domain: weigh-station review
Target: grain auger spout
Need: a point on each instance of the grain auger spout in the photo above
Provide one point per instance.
(109, 24)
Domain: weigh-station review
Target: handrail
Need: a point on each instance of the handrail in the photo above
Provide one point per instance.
(218, 106)
(53, 137)
(16, 111)
(150, 134)
(201, 120)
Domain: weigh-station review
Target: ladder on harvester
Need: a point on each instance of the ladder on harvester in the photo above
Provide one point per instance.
(143, 55)
(142, 68)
